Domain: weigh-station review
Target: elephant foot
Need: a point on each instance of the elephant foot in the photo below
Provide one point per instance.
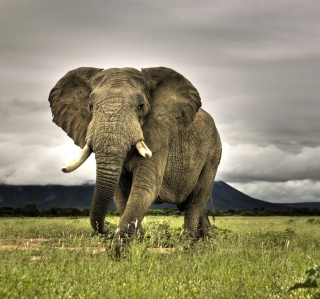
(117, 250)
(206, 233)
(196, 240)
(119, 247)
(202, 231)
(121, 240)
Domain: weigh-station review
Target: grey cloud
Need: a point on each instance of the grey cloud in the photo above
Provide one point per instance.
(275, 104)
(291, 191)
(245, 163)
(256, 65)
(19, 107)
(40, 164)
(271, 174)
(27, 122)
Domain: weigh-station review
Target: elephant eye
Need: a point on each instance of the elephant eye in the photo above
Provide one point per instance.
(140, 106)
(90, 107)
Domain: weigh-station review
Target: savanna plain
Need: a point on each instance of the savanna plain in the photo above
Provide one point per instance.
(250, 257)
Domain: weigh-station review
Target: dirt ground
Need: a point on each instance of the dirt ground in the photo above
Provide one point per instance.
(35, 244)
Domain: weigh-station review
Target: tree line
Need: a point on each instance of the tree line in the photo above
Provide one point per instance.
(30, 209)
(264, 212)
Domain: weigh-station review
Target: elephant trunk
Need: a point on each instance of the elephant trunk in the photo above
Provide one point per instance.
(107, 179)
(111, 135)
(111, 143)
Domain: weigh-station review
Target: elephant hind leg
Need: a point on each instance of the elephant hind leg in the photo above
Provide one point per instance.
(204, 227)
(196, 221)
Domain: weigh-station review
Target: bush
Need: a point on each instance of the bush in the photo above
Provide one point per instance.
(311, 276)
(6, 211)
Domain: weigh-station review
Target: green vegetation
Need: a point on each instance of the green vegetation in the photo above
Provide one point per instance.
(30, 210)
(311, 276)
(264, 212)
(251, 257)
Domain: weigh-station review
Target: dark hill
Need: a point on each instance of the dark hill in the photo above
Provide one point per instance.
(46, 196)
(224, 197)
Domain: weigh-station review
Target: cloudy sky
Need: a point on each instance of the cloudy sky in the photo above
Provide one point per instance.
(255, 63)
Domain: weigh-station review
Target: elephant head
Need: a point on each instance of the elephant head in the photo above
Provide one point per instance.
(115, 112)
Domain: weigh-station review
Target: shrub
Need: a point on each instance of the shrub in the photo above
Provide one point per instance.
(311, 276)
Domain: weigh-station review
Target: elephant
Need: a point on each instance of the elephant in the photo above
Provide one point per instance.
(152, 143)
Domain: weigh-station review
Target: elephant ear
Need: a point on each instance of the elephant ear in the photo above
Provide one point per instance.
(69, 103)
(174, 103)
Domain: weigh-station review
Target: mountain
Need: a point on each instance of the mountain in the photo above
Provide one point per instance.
(224, 197)
(46, 196)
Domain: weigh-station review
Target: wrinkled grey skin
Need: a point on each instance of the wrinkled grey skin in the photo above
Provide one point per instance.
(111, 110)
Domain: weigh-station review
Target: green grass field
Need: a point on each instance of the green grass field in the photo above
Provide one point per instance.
(251, 257)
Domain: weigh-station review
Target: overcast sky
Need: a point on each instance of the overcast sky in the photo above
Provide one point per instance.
(256, 65)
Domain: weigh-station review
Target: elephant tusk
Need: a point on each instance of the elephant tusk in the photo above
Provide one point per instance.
(143, 149)
(83, 156)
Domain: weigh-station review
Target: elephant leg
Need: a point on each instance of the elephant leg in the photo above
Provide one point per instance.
(146, 184)
(121, 199)
(204, 227)
(122, 193)
(196, 221)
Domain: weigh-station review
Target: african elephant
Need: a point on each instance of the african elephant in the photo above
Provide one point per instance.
(152, 143)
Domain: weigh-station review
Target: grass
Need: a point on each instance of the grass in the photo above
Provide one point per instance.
(251, 257)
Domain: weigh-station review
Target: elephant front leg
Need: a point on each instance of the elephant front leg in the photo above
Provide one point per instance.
(146, 184)
(122, 193)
